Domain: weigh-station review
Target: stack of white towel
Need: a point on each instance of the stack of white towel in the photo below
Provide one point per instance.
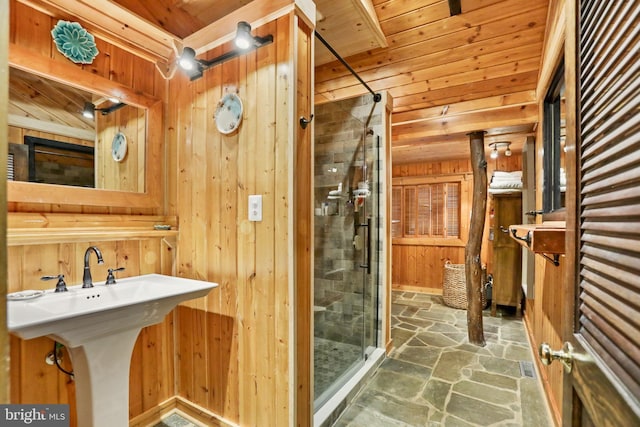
(504, 182)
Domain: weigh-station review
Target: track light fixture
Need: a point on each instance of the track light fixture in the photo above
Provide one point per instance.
(243, 41)
(494, 149)
(188, 60)
(89, 109)
(243, 38)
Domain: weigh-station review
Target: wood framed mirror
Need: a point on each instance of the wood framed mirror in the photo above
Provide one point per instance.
(149, 193)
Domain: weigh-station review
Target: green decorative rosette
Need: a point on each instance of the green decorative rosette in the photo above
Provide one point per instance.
(74, 42)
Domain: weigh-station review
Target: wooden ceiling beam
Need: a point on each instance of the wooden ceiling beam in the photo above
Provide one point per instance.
(527, 97)
(354, 27)
(457, 146)
(50, 127)
(464, 123)
(465, 92)
(509, 133)
(256, 13)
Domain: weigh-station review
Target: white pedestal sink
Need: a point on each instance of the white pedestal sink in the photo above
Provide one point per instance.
(99, 326)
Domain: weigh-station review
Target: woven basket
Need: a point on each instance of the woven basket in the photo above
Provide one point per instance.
(454, 286)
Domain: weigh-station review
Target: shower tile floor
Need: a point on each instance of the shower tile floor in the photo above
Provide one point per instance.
(330, 360)
(434, 377)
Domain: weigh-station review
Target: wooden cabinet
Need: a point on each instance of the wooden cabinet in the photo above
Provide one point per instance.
(507, 253)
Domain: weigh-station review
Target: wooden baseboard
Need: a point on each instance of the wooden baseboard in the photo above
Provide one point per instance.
(200, 415)
(548, 393)
(188, 410)
(389, 346)
(154, 415)
(418, 289)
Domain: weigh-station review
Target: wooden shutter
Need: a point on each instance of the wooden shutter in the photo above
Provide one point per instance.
(437, 210)
(453, 210)
(409, 211)
(396, 211)
(10, 167)
(609, 93)
(424, 210)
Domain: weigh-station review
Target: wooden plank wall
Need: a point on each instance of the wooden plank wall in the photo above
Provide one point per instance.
(420, 268)
(544, 314)
(234, 347)
(152, 370)
(127, 175)
(151, 378)
(31, 29)
(4, 96)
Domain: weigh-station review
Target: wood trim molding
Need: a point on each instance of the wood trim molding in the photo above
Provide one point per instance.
(417, 289)
(186, 409)
(43, 236)
(256, 13)
(427, 241)
(39, 229)
(4, 97)
(199, 414)
(113, 23)
(431, 179)
(367, 12)
(70, 74)
(29, 192)
(61, 220)
(155, 414)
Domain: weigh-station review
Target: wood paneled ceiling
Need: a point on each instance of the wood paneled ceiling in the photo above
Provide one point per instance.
(448, 75)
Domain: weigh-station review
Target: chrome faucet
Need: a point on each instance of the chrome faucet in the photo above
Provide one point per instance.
(87, 282)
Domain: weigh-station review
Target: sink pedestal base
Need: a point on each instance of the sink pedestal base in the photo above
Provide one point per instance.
(99, 326)
(101, 371)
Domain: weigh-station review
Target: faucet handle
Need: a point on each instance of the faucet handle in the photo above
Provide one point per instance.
(111, 280)
(61, 286)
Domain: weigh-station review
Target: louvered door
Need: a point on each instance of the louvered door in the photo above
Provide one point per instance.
(605, 373)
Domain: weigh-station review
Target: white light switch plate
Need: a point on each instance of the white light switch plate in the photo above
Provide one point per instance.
(255, 207)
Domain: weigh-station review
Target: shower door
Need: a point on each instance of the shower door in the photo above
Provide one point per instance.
(346, 251)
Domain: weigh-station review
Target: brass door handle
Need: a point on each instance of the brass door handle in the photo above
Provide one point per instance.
(547, 355)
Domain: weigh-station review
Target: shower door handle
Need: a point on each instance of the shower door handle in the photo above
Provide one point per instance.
(367, 246)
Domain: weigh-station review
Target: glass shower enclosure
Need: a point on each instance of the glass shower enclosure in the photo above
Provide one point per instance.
(346, 285)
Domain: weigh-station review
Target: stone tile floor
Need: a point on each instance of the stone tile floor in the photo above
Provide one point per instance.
(434, 377)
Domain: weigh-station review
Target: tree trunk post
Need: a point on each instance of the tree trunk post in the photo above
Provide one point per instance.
(473, 269)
